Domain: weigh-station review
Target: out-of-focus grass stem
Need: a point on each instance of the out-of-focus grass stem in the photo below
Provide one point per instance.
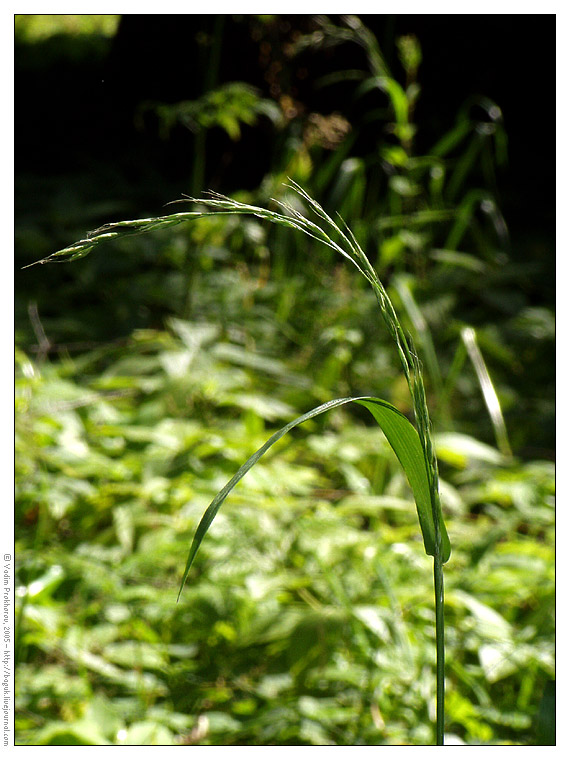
(469, 337)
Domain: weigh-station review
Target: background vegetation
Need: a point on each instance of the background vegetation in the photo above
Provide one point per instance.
(149, 371)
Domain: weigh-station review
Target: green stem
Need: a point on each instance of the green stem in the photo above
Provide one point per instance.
(438, 590)
(440, 647)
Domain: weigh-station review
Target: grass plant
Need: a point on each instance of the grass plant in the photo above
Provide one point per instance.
(413, 446)
(306, 615)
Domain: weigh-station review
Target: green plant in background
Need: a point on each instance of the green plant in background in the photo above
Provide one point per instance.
(415, 212)
(228, 106)
(407, 208)
(420, 213)
(413, 447)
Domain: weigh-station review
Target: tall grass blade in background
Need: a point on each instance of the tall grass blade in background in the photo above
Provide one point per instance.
(413, 446)
(469, 338)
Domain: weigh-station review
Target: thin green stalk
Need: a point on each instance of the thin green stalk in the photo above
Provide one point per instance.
(440, 648)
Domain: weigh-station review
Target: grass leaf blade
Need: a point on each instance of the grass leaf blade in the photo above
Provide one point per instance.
(403, 439)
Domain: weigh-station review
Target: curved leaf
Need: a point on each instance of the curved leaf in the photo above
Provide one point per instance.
(402, 437)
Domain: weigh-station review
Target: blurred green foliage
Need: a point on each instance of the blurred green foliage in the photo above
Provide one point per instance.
(32, 27)
(161, 366)
(308, 618)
